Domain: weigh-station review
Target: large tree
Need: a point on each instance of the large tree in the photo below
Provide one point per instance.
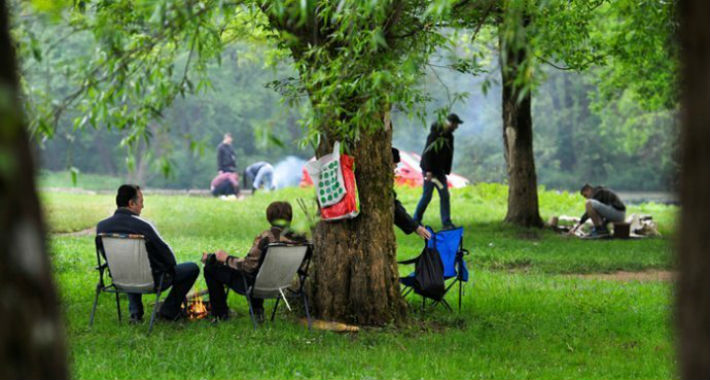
(529, 33)
(693, 293)
(355, 60)
(32, 337)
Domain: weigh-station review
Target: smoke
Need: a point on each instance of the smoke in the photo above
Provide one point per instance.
(287, 172)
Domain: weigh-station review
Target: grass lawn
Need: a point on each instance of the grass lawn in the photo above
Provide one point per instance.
(525, 314)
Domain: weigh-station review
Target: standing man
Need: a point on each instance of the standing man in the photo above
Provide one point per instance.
(127, 220)
(602, 206)
(260, 174)
(226, 159)
(436, 163)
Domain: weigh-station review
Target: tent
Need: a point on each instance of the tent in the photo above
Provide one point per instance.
(407, 173)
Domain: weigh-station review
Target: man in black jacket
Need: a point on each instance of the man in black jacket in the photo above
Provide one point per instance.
(401, 217)
(436, 164)
(602, 206)
(127, 220)
(226, 158)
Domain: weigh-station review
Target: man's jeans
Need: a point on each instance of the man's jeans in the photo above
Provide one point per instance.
(185, 276)
(428, 189)
(216, 277)
(264, 177)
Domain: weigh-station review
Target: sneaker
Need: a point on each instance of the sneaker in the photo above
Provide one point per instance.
(449, 226)
(259, 315)
(219, 318)
(135, 319)
(599, 232)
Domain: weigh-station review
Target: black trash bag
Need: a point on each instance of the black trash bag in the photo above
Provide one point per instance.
(429, 274)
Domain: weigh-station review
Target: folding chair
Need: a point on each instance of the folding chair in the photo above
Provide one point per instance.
(278, 266)
(125, 257)
(449, 244)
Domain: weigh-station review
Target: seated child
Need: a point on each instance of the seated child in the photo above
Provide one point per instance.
(222, 269)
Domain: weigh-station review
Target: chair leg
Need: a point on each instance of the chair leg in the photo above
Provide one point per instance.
(158, 305)
(276, 305)
(460, 292)
(118, 307)
(251, 310)
(308, 313)
(445, 303)
(155, 310)
(93, 308)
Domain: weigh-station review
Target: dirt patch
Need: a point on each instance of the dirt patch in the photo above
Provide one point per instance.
(624, 276)
(86, 232)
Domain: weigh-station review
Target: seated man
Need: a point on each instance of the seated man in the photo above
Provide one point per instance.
(602, 206)
(222, 269)
(260, 174)
(126, 220)
(401, 217)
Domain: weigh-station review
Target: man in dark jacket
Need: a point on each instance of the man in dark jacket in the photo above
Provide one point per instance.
(436, 164)
(602, 206)
(226, 158)
(401, 217)
(127, 220)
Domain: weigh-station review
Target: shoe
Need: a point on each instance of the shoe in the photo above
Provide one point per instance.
(259, 315)
(219, 318)
(449, 226)
(135, 319)
(599, 232)
(182, 314)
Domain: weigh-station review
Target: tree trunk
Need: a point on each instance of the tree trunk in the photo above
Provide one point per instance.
(518, 136)
(355, 277)
(32, 336)
(693, 295)
(565, 130)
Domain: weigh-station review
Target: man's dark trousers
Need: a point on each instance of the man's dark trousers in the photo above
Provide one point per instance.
(427, 192)
(185, 276)
(216, 277)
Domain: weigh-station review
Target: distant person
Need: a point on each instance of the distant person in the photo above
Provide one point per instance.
(260, 174)
(226, 158)
(401, 217)
(436, 162)
(225, 183)
(127, 220)
(222, 270)
(602, 206)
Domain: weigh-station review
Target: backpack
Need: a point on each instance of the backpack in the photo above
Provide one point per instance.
(429, 274)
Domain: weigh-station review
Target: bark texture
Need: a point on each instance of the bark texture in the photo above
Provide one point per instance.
(355, 277)
(523, 207)
(693, 293)
(31, 337)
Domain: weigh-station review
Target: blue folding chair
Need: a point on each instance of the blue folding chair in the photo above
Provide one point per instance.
(449, 244)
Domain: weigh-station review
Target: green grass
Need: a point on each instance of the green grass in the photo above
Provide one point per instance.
(523, 316)
(85, 181)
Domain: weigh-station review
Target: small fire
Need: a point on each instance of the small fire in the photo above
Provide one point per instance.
(196, 307)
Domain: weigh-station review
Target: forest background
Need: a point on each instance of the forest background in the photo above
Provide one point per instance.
(600, 125)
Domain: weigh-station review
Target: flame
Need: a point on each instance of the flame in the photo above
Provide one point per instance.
(196, 308)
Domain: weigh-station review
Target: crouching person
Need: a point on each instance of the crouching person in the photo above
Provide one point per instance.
(222, 270)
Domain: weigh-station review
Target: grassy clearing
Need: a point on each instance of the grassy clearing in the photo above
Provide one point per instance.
(522, 317)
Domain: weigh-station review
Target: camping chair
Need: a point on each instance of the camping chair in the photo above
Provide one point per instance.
(279, 264)
(449, 244)
(126, 258)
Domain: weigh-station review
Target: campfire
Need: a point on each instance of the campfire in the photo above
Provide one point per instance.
(196, 307)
